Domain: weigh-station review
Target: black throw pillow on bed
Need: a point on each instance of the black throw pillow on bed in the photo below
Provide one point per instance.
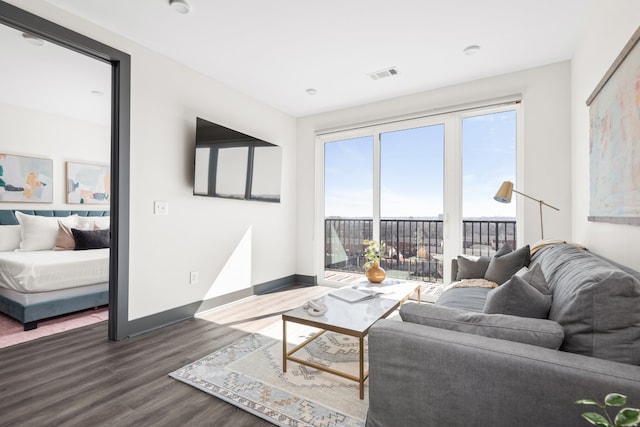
(91, 239)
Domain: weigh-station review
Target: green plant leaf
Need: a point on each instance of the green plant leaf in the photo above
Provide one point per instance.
(587, 402)
(615, 399)
(628, 417)
(596, 419)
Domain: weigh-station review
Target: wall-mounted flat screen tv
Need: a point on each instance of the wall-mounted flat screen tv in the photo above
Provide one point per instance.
(234, 165)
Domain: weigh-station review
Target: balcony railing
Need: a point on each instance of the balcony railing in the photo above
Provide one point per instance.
(413, 246)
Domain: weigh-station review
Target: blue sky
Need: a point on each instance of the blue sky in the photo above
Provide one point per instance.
(412, 170)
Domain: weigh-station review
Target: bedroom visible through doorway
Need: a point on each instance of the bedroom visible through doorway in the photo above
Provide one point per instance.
(55, 104)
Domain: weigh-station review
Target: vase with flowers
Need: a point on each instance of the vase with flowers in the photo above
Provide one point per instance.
(373, 251)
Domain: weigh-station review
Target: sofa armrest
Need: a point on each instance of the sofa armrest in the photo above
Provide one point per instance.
(425, 376)
(454, 269)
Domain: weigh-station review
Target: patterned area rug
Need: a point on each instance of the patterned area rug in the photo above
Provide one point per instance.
(248, 374)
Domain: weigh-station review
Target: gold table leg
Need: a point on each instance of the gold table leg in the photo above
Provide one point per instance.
(361, 368)
(284, 345)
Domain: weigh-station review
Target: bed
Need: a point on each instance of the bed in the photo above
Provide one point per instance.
(40, 283)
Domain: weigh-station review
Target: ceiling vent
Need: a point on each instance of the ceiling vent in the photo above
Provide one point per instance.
(387, 72)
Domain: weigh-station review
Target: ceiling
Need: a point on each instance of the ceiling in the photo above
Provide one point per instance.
(275, 50)
(53, 79)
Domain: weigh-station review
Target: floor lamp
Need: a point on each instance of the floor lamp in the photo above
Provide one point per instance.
(504, 196)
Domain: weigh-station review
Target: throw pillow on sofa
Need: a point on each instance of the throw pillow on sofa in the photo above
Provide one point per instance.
(476, 267)
(539, 332)
(503, 267)
(525, 296)
(472, 268)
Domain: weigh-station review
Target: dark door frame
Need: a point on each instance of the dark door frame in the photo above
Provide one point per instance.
(120, 143)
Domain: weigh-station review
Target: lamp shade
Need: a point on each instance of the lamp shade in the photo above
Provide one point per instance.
(504, 192)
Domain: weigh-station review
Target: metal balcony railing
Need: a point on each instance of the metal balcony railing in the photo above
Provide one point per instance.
(413, 246)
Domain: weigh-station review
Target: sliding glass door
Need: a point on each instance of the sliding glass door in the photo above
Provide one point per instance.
(348, 204)
(488, 159)
(423, 186)
(411, 201)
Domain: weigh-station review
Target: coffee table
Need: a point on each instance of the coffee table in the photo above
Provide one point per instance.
(348, 318)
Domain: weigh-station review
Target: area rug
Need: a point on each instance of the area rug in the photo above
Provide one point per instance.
(12, 332)
(248, 374)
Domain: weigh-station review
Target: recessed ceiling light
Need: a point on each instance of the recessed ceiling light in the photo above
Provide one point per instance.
(471, 50)
(180, 6)
(31, 39)
(311, 91)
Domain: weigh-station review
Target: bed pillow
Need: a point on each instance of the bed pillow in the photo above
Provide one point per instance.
(503, 267)
(39, 233)
(9, 237)
(91, 239)
(64, 239)
(93, 222)
(101, 222)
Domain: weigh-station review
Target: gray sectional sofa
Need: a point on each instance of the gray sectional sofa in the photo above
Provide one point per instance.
(461, 362)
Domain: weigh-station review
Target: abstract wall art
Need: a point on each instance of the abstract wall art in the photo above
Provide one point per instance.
(88, 184)
(614, 146)
(26, 179)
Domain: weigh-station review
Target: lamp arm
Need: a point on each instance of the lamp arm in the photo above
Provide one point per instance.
(536, 200)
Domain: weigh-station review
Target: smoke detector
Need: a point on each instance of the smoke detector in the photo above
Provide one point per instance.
(180, 6)
(387, 72)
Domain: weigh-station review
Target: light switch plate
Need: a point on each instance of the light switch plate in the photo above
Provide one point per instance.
(160, 208)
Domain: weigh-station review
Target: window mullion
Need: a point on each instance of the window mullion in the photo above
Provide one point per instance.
(376, 186)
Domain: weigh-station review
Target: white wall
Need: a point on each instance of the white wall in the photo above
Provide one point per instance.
(32, 133)
(231, 244)
(609, 29)
(546, 107)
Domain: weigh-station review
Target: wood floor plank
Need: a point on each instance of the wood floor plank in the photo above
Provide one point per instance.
(80, 378)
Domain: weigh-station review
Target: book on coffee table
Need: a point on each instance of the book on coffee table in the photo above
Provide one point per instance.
(355, 294)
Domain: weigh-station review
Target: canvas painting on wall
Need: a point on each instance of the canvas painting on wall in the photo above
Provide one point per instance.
(614, 147)
(26, 179)
(88, 184)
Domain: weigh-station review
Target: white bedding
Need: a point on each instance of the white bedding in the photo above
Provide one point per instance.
(42, 271)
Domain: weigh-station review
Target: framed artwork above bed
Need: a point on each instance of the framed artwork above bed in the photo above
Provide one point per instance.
(26, 179)
(88, 184)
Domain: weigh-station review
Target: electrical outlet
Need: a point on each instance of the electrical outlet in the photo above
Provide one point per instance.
(160, 208)
(193, 277)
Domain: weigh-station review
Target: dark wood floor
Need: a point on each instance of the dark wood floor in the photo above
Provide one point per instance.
(79, 378)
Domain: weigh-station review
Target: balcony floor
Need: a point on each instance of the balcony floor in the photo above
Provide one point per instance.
(429, 292)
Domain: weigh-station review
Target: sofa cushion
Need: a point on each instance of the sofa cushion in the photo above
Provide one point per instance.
(539, 332)
(501, 268)
(518, 298)
(595, 301)
(469, 299)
